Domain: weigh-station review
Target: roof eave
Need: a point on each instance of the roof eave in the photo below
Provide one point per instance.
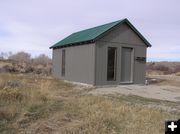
(73, 44)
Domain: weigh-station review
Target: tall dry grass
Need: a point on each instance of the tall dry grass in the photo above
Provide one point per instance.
(48, 105)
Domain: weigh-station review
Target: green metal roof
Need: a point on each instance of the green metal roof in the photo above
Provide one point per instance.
(90, 35)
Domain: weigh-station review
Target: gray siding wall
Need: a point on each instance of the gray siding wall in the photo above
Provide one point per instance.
(56, 60)
(122, 36)
(80, 63)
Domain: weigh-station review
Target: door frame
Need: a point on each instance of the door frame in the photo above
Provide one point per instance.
(132, 66)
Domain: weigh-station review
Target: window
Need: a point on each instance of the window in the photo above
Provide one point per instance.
(111, 63)
(63, 63)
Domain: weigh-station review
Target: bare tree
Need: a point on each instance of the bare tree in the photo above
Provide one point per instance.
(10, 53)
(5, 55)
(1, 56)
(20, 57)
(42, 59)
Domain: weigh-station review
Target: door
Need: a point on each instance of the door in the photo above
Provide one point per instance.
(127, 65)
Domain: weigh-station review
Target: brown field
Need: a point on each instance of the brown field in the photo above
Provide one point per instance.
(31, 101)
(37, 104)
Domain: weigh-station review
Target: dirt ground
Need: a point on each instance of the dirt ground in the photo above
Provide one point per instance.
(161, 87)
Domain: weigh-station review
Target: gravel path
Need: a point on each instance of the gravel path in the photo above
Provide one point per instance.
(169, 93)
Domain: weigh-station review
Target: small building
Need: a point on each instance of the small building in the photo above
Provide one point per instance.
(110, 54)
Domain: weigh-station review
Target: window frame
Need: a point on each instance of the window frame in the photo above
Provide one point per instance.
(114, 66)
(63, 63)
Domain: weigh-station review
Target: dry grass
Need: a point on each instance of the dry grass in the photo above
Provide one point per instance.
(169, 80)
(33, 104)
(178, 74)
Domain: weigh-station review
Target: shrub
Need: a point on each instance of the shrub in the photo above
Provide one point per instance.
(177, 69)
(163, 67)
(22, 62)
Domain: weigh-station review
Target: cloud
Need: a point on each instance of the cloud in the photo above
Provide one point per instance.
(34, 26)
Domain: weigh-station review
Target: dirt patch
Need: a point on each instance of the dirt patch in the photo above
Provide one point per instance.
(168, 93)
(169, 80)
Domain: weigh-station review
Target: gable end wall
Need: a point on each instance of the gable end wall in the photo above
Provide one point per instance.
(120, 36)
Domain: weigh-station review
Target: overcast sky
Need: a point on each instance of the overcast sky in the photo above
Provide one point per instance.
(35, 25)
